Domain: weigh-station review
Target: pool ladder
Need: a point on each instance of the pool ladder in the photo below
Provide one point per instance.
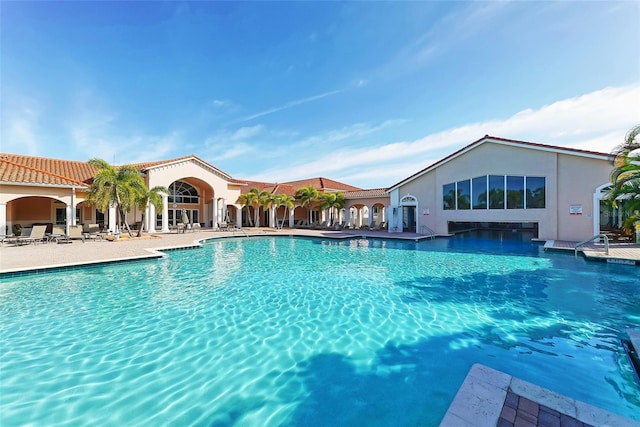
(426, 230)
(590, 239)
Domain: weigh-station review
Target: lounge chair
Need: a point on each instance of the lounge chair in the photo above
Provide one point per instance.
(382, 226)
(75, 233)
(37, 235)
(93, 232)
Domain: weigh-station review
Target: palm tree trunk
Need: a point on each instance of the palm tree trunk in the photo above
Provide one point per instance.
(141, 227)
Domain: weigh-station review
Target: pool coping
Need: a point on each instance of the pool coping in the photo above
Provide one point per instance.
(481, 398)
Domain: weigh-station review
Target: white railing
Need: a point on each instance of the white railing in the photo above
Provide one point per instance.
(591, 239)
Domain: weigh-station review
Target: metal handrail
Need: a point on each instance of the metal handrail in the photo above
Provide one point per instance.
(590, 239)
(431, 233)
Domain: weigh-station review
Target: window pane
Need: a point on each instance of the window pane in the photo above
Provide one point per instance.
(535, 192)
(449, 196)
(515, 192)
(61, 216)
(496, 192)
(464, 194)
(479, 186)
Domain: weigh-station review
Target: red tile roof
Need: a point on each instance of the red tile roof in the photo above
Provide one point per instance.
(16, 168)
(362, 194)
(322, 184)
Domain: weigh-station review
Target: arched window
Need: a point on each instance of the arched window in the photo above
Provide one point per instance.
(182, 192)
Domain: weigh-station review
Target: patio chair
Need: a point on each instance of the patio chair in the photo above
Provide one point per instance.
(37, 235)
(93, 232)
(75, 233)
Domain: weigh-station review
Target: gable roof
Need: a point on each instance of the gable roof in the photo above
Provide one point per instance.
(145, 166)
(502, 141)
(273, 188)
(322, 184)
(31, 170)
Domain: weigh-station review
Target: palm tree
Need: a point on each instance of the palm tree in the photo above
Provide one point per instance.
(120, 186)
(307, 195)
(625, 178)
(150, 196)
(332, 201)
(265, 198)
(287, 202)
(250, 199)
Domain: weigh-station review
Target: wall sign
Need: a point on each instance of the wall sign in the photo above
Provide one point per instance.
(575, 210)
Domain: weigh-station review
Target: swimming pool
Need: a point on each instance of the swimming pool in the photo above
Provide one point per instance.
(300, 331)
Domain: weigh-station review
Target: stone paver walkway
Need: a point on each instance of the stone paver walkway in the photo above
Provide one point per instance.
(519, 411)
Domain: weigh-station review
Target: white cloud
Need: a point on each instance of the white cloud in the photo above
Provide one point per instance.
(596, 121)
(291, 104)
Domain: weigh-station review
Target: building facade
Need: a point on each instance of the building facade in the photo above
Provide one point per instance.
(552, 192)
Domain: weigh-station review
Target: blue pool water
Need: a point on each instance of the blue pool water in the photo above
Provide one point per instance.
(305, 332)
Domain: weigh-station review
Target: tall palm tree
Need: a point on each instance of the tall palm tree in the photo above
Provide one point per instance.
(265, 199)
(120, 186)
(250, 199)
(287, 202)
(332, 201)
(307, 195)
(150, 196)
(625, 178)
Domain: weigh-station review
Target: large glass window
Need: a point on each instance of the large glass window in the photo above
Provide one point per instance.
(536, 192)
(515, 192)
(182, 192)
(496, 192)
(479, 191)
(464, 194)
(449, 196)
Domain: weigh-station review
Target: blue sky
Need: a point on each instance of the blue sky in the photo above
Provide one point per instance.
(361, 92)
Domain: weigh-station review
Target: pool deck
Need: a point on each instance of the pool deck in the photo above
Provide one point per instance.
(492, 398)
(30, 258)
(619, 253)
(42, 256)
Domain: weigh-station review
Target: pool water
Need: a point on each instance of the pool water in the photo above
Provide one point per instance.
(285, 331)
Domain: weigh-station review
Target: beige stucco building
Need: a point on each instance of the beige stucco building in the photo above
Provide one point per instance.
(552, 192)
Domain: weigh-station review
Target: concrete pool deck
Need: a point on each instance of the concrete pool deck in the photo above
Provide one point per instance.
(31, 257)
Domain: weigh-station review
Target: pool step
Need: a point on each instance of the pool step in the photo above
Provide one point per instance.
(631, 347)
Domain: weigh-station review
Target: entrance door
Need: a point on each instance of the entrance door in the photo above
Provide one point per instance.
(409, 219)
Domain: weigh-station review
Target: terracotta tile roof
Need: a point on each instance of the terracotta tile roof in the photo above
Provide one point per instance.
(20, 169)
(272, 188)
(506, 141)
(322, 184)
(371, 193)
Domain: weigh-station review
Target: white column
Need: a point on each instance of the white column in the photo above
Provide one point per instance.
(70, 220)
(215, 213)
(3, 219)
(347, 216)
(147, 217)
(291, 217)
(370, 216)
(112, 219)
(165, 213)
(73, 206)
(152, 219)
(272, 217)
(238, 216)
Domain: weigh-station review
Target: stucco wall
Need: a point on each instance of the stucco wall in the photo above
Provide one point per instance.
(570, 180)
